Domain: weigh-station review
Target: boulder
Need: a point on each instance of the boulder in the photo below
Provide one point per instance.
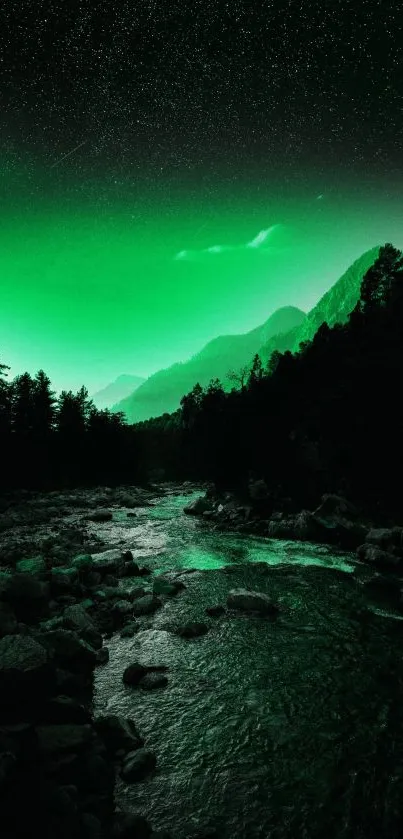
(8, 620)
(192, 630)
(102, 655)
(146, 605)
(69, 737)
(63, 581)
(130, 826)
(215, 611)
(198, 506)
(28, 596)
(385, 537)
(69, 651)
(165, 587)
(64, 709)
(100, 515)
(377, 557)
(332, 505)
(118, 733)
(75, 617)
(251, 601)
(136, 765)
(83, 562)
(108, 562)
(34, 565)
(153, 680)
(130, 629)
(26, 674)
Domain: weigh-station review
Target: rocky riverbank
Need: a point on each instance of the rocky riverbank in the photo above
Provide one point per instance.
(334, 522)
(61, 596)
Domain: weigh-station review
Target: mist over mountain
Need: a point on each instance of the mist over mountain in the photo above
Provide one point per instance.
(163, 391)
(117, 390)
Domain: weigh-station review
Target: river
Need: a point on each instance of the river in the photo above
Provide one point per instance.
(288, 728)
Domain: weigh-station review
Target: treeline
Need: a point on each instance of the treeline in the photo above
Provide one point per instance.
(49, 442)
(326, 419)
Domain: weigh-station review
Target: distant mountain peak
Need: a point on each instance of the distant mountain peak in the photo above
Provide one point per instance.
(121, 387)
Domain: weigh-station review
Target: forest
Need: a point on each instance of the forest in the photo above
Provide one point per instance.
(328, 418)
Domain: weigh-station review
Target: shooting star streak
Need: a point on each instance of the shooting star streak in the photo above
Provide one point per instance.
(59, 160)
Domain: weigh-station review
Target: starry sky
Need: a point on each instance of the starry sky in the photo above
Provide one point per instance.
(172, 170)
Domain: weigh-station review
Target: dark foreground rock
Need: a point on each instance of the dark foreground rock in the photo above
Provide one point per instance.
(251, 601)
(137, 765)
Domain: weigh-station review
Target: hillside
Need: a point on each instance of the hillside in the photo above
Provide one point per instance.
(117, 390)
(163, 391)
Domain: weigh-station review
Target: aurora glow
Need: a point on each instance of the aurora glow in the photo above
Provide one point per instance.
(154, 198)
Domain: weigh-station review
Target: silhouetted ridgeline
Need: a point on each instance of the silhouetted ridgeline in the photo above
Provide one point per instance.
(328, 418)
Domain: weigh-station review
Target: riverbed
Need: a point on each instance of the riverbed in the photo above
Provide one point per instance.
(267, 728)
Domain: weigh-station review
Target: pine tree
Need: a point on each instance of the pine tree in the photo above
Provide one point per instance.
(256, 371)
(22, 404)
(43, 404)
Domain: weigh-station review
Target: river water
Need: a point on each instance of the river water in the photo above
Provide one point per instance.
(288, 728)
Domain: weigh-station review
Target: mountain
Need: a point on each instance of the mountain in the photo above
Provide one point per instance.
(163, 391)
(117, 390)
(333, 307)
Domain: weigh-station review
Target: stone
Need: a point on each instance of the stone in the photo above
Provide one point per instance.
(251, 601)
(385, 537)
(64, 709)
(198, 507)
(215, 611)
(69, 737)
(108, 562)
(83, 562)
(102, 655)
(63, 581)
(377, 557)
(34, 565)
(70, 652)
(130, 629)
(130, 826)
(100, 516)
(151, 681)
(8, 620)
(146, 605)
(192, 630)
(75, 617)
(165, 587)
(136, 765)
(28, 596)
(335, 505)
(118, 733)
(26, 676)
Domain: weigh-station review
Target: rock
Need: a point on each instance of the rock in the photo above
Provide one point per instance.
(198, 507)
(385, 537)
(192, 630)
(121, 608)
(63, 738)
(336, 506)
(215, 611)
(26, 676)
(130, 568)
(160, 834)
(102, 655)
(130, 629)
(130, 826)
(75, 617)
(339, 531)
(83, 562)
(100, 515)
(63, 581)
(146, 605)
(64, 709)
(251, 601)
(153, 680)
(8, 620)
(258, 490)
(108, 562)
(165, 587)
(70, 652)
(118, 733)
(28, 596)
(135, 672)
(377, 557)
(34, 565)
(384, 589)
(137, 765)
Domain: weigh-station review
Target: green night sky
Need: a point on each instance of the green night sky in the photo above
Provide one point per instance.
(92, 286)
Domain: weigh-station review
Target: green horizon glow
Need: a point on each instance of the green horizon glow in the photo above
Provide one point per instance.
(92, 289)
